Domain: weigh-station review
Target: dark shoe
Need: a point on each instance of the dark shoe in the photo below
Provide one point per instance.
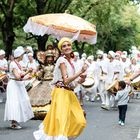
(105, 107)
(15, 126)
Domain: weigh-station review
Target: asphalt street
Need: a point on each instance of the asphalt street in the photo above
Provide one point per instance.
(101, 124)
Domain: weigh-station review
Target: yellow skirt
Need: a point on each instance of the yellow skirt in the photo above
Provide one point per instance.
(65, 118)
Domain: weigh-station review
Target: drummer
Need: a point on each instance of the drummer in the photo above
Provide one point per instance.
(112, 74)
(135, 67)
(3, 62)
(3, 70)
(92, 73)
(125, 63)
(102, 63)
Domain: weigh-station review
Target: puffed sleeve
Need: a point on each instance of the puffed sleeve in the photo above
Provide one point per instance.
(60, 61)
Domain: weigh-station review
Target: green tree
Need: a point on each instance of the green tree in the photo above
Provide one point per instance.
(107, 16)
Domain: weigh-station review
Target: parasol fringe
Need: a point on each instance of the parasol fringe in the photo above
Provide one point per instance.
(40, 30)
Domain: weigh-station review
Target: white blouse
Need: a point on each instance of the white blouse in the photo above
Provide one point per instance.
(13, 65)
(57, 76)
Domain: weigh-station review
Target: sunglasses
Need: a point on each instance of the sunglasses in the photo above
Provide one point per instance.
(66, 45)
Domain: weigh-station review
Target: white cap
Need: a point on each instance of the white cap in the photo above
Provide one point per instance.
(84, 55)
(90, 57)
(30, 48)
(76, 53)
(134, 48)
(20, 47)
(111, 53)
(117, 54)
(18, 52)
(123, 56)
(30, 54)
(125, 53)
(2, 52)
(99, 52)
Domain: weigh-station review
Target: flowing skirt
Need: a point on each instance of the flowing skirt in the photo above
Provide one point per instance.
(65, 119)
(18, 105)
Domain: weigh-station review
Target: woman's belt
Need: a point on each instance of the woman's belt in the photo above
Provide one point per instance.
(65, 87)
(15, 79)
(60, 84)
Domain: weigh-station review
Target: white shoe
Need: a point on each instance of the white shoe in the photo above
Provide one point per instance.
(1, 100)
(119, 122)
(122, 123)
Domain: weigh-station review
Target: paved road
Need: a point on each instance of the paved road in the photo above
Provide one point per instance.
(101, 125)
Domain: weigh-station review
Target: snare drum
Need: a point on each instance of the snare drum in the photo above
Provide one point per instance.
(3, 82)
(136, 83)
(89, 82)
(113, 88)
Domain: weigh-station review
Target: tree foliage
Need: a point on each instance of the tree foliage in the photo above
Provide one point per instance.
(117, 22)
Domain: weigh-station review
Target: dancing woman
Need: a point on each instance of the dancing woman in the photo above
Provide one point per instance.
(65, 119)
(17, 108)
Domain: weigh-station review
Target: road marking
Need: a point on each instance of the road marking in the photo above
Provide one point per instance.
(138, 136)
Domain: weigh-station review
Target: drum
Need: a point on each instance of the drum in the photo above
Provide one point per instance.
(136, 83)
(89, 82)
(40, 112)
(113, 88)
(40, 98)
(40, 93)
(3, 82)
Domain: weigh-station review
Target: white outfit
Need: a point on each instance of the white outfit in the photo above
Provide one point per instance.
(93, 72)
(78, 66)
(3, 63)
(103, 71)
(114, 72)
(25, 58)
(22, 64)
(125, 65)
(57, 72)
(18, 105)
(135, 68)
(32, 65)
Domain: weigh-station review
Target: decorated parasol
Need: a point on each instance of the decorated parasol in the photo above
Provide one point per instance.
(62, 25)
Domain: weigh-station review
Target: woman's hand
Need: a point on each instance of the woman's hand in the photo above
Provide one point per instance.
(84, 68)
(82, 78)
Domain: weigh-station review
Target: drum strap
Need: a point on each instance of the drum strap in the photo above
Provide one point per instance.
(102, 72)
(17, 64)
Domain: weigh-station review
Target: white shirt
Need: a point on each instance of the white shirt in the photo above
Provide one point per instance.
(3, 63)
(32, 65)
(57, 76)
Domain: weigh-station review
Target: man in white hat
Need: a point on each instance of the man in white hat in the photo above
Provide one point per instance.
(103, 70)
(125, 63)
(92, 80)
(112, 74)
(83, 58)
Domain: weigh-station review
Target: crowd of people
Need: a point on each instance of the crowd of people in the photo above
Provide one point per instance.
(74, 79)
